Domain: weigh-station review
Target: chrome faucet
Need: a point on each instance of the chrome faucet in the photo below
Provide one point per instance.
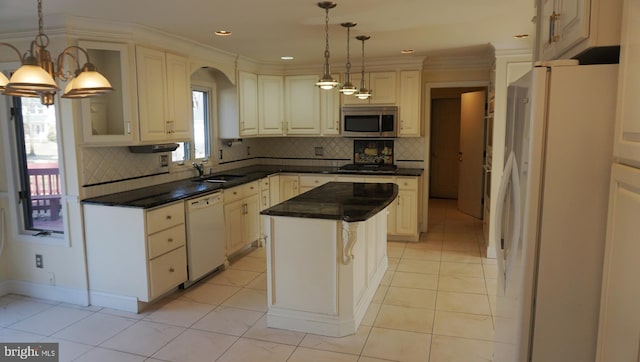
(199, 167)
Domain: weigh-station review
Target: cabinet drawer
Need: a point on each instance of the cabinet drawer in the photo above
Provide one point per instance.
(166, 240)
(380, 179)
(165, 217)
(167, 271)
(407, 183)
(314, 180)
(233, 194)
(250, 189)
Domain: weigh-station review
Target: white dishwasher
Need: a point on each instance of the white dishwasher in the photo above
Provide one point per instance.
(205, 235)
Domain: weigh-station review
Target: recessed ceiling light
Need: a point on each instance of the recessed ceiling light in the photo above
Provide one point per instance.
(286, 57)
(222, 33)
(407, 51)
(521, 36)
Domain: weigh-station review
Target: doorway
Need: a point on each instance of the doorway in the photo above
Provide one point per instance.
(457, 146)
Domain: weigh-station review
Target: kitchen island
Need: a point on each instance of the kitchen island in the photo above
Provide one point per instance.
(326, 255)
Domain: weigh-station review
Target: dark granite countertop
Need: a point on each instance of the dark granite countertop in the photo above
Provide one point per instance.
(348, 201)
(152, 196)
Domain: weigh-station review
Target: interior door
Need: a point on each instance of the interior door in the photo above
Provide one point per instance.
(470, 157)
(445, 141)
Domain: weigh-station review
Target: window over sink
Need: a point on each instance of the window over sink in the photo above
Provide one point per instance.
(200, 148)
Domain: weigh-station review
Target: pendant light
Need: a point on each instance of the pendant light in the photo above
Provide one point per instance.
(348, 88)
(327, 81)
(363, 92)
(37, 73)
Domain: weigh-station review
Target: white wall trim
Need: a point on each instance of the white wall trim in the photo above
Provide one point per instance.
(42, 291)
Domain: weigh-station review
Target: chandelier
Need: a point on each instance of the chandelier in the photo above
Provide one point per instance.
(37, 73)
(327, 81)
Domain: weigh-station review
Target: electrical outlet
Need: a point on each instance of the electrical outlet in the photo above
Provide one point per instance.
(52, 279)
(164, 160)
(319, 151)
(248, 151)
(220, 153)
(39, 261)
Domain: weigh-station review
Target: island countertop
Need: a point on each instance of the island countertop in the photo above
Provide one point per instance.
(347, 201)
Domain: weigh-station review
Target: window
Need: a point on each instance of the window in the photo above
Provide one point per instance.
(40, 190)
(200, 148)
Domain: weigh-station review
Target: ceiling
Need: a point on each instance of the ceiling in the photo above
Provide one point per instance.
(266, 30)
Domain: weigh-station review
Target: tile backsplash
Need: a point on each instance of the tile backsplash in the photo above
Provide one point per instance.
(113, 169)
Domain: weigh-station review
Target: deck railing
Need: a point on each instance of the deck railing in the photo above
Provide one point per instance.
(45, 191)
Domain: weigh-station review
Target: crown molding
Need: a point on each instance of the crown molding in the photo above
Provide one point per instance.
(459, 63)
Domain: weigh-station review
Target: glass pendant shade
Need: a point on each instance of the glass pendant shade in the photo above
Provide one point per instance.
(3, 81)
(87, 83)
(348, 89)
(32, 78)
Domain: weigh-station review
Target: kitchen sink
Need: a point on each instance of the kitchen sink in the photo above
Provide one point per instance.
(218, 178)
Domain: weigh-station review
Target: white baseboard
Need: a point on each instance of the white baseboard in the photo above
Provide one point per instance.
(5, 287)
(491, 252)
(44, 291)
(113, 301)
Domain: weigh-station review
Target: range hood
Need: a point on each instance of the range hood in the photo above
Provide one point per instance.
(163, 147)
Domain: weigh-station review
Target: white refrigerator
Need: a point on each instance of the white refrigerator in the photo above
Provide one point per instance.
(552, 212)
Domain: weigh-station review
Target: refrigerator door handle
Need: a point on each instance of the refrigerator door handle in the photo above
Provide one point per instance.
(511, 176)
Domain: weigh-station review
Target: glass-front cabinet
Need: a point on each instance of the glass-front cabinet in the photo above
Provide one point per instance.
(111, 119)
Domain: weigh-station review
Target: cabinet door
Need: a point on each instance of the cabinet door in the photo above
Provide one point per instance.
(270, 104)
(274, 190)
(619, 327)
(288, 187)
(178, 98)
(111, 119)
(627, 130)
(251, 219)
(383, 87)
(302, 105)
(406, 213)
(152, 88)
(330, 113)
(310, 182)
(233, 226)
(248, 103)
(573, 23)
(409, 105)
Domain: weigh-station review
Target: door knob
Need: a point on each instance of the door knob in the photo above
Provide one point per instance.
(459, 156)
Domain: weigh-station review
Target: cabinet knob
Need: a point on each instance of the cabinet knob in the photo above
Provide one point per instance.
(235, 192)
(171, 270)
(168, 217)
(170, 240)
(317, 181)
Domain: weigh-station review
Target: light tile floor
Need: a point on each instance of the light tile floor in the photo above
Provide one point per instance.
(435, 304)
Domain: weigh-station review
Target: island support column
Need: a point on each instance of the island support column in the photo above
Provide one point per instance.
(322, 274)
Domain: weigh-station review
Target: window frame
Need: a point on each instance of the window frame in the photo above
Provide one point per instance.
(209, 89)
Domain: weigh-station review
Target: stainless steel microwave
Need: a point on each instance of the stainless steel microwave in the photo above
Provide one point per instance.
(370, 121)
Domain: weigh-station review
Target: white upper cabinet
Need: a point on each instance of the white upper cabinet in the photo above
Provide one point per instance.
(111, 119)
(248, 103)
(409, 103)
(270, 104)
(302, 105)
(163, 96)
(330, 113)
(568, 27)
(383, 86)
(627, 130)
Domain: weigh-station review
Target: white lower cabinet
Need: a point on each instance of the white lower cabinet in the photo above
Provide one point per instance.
(619, 329)
(289, 187)
(241, 216)
(308, 182)
(141, 259)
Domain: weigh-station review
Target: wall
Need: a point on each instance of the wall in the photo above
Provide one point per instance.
(63, 276)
